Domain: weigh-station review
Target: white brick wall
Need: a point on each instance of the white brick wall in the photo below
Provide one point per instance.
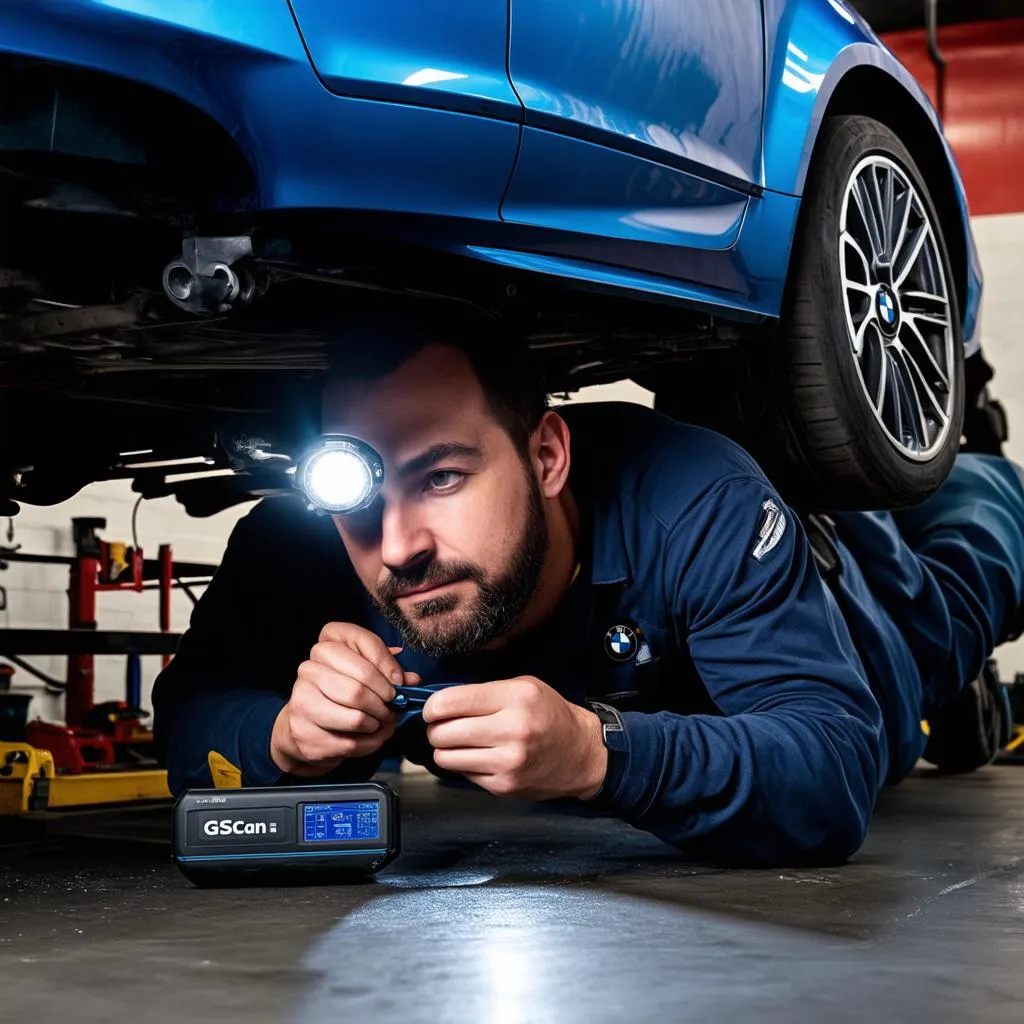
(36, 594)
(1001, 242)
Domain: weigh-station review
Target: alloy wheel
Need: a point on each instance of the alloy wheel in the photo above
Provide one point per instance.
(897, 307)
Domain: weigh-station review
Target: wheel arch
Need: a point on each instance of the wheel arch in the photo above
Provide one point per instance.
(871, 92)
(79, 124)
(823, 59)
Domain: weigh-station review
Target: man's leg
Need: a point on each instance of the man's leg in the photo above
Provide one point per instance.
(970, 537)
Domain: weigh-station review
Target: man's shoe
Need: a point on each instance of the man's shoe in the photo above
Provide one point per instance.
(970, 731)
(985, 428)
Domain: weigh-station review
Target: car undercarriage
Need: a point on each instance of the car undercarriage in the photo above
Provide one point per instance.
(127, 351)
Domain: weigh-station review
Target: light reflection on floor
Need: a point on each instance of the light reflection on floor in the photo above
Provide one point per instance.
(529, 954)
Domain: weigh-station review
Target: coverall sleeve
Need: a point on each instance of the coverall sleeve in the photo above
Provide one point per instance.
(791, 768)
(237, 662)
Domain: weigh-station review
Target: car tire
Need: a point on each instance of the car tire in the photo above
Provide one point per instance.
(868, 413)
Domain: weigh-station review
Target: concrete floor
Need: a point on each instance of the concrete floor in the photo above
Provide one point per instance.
(503, 913)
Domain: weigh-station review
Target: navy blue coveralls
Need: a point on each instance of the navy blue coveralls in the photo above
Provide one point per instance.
(763, 711)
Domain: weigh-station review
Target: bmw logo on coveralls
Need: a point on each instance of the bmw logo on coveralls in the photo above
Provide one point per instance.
(620, 643)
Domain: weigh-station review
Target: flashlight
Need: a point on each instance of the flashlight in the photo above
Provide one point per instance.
(341, 475)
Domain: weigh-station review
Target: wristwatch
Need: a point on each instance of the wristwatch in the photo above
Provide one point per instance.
(613, 733)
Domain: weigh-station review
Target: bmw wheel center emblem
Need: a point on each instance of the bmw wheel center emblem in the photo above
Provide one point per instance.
(620, 643)
(888, 312)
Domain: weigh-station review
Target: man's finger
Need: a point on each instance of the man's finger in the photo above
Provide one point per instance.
(469, 701)
(342, 718)
(467, 760)
(368, 644)
(451, 733)
(363, 746)
(347, 662)
(341, 689)
(486, 782)
(330, 745)
(411, 678)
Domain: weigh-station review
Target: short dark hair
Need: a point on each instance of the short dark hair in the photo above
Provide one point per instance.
(371, 344)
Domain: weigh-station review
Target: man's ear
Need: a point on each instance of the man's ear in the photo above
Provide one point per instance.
(550, 452)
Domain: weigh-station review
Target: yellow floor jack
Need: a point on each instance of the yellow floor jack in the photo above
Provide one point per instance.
(30, 782)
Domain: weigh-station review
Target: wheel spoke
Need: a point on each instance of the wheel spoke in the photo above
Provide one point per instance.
(923, 387)
(867, 215)
(925, 306)
(914, 386)
(939, 376)
(920, 237)
(923, 298)
(847, 239)
(883, 216)
(901, 237)
(913, 418)
(890, 208)
(917, 420)
(883, 375)
(893, 387)
(856, 286)
(928, 318)
(858, 338)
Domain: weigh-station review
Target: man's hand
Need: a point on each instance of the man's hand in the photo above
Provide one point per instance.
(337, 709)
(517, 737)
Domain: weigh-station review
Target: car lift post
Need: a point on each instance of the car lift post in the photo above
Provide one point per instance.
(91, 573)
(166, 585)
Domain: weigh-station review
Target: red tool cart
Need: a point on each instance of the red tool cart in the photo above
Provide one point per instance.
(108, 737)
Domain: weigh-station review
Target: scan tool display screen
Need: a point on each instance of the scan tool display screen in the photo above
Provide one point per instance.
(332, 823)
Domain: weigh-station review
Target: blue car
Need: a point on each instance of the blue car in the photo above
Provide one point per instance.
(748, 206)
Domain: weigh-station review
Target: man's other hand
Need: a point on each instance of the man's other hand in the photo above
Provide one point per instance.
(517, 737)
(338, 708)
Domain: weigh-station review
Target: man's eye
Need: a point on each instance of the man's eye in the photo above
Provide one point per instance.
(444, 480)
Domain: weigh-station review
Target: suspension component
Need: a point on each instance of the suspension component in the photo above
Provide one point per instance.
(211, 275)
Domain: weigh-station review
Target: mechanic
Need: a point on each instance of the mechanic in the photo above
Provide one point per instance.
(598, 553)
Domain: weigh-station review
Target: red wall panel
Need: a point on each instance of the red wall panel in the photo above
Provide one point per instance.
(984, 100)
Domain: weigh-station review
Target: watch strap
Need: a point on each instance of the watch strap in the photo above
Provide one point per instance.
(613, 729)
(613, 733)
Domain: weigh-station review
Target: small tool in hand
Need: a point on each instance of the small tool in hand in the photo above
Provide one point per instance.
(412, 698)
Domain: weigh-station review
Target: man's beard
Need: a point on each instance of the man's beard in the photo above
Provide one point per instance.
(499, 603)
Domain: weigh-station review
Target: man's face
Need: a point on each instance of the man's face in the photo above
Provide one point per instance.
(452, 550)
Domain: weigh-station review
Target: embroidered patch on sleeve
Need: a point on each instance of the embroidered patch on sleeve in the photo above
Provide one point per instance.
(769, 533)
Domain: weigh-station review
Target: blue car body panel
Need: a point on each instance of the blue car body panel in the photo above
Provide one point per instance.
(244, 65)
(413, 52)
(679, 82)
(652, 146)
(652, 122)
(610, 194)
